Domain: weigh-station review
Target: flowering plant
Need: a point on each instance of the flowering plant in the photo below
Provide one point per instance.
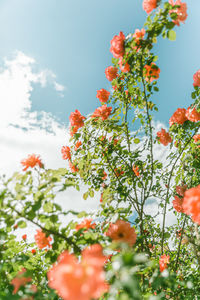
(126, 250)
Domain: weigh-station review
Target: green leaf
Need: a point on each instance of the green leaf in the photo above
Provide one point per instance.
(21, 224)
(171, 34)
(85, 195)
(48, 207)
(136, 141)
(91, 193)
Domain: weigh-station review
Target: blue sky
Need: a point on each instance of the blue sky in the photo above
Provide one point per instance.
(72, 38)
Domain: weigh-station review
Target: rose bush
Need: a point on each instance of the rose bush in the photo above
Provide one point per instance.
(124, 250)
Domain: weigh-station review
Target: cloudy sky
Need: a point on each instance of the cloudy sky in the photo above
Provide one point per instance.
(52, 60)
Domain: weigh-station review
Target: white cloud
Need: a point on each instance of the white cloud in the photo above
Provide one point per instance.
(23, 132)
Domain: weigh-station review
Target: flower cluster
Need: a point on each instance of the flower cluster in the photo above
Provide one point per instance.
(102, 112)
(181, 11)
(164, 137)
(178, 117)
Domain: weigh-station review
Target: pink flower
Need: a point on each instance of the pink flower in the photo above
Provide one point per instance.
(151, 72)
(102, 112)
(191, 203)
(163, 262)
(192, 115)
(181, 11)
(117, 45)
(196, 78)
(76, 119)
(149, 5)
(164, 137)
(178, 117)
(103, 95)
(111, 73)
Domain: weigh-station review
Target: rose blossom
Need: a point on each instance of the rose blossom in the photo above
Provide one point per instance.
(87, 224)
(177, 204)
(117, 45)
(196, 138)
(138, 36)
(76, 119)
(151, 72)
(181, 11)
(192, 114)
(73, 130)
(103, 95)
(73, 167)
(163, 262)
(20, 280)
(164, 137)
(31, 162)
(178, 117)
(111, 73)
(66, 152)
(124, 66)
(136, 170)
(196, 78)
(41, 240)
(191, 203)
(149, 5)
(83, 280)
(122, 231)
(102, 112)
(77, 145)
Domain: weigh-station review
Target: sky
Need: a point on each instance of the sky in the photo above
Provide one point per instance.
(53, 55)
